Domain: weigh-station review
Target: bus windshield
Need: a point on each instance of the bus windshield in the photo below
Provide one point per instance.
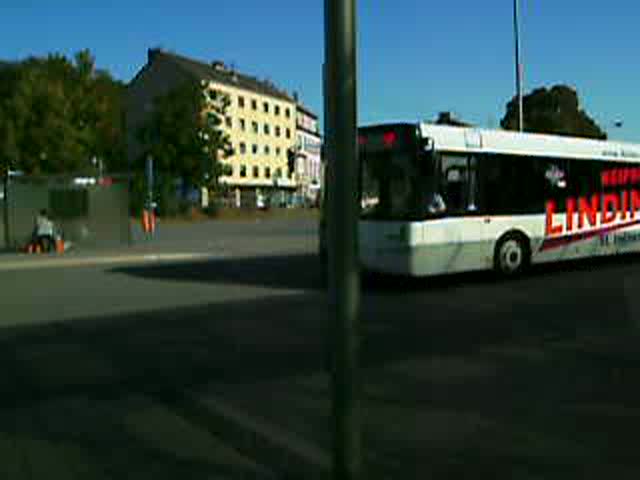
(396, 183)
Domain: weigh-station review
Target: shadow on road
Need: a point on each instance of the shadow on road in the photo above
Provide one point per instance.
(299, 272)
(104, 388)
(303, 272)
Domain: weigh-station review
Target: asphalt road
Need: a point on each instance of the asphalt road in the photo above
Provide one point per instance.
(563, 344)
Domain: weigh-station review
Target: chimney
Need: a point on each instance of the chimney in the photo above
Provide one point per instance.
(218, 66)
(295, 96)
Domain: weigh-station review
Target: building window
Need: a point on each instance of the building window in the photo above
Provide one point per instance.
(254, 149)
(278, 172)
(265, 106)
(243, 124)
(212, 119)
(290, 174)
(213, 95)
(267, 172)
(254, 104)
(278, 131)
(287, 113)
(277, 108)
(243, 148)
(228, 121)
(266, 129)
(254, 126)
(256, 171)
(243, 171)
(278, 151)
(267, 150)
(230, 174)
(241, 102)
(288, 133)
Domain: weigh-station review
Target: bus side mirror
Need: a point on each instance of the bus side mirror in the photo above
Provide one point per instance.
(427, 145)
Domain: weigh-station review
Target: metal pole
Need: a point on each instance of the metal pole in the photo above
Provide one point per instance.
(344, 279)
(149, 181)
(5, 210)
(519, 79)
(149, 208)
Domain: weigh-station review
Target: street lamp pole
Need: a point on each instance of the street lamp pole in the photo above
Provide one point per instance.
(516, 28)
(342, 222)
(5, 206)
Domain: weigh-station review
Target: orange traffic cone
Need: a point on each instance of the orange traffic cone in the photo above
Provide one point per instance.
(152, 222)
(59, 245)
(145, 221)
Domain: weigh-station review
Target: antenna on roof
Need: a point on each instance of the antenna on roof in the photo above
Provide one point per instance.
(219, 66)
(233, 71)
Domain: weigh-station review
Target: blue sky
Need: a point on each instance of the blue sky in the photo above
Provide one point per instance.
(415, 57)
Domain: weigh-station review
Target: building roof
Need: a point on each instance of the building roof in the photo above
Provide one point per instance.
(220, 73)
(447, 118)
(451, 138)
(306, 111)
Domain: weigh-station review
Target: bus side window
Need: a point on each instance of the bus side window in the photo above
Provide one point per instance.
(473, 201)
(512, 185)
(459, 183)
(454, 182)
(556, 182)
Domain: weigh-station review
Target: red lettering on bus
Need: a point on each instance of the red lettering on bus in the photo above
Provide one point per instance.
(590, 210)
(571, 209)
(635, 202)
(621, 176)
(552, 229)
(609, 214)
(625, 205)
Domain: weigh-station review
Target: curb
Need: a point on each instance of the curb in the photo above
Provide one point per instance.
(90, 261)
(284, 452)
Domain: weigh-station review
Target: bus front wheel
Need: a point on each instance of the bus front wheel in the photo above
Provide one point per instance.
(512, 254)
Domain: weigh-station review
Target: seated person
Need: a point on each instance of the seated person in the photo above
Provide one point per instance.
(44, 232)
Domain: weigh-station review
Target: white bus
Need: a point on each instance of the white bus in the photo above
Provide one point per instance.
(440, 199)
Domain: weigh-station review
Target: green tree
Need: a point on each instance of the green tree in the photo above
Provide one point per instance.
(62, 114)
(555, 111)
(184, 135)
(9, 152)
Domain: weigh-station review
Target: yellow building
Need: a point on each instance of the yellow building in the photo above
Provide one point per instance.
(261, 121)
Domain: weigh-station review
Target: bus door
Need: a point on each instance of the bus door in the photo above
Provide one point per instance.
(467, 230)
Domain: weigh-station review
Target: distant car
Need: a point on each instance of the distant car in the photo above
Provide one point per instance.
(260, 203)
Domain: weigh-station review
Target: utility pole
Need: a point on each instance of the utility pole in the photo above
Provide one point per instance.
(342, 222)
(519, 79)
(5, 207)
(149, 172)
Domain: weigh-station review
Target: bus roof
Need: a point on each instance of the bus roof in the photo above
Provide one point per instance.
(461, 139)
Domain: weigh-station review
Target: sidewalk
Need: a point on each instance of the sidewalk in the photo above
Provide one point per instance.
(85, 258)
(181, 242)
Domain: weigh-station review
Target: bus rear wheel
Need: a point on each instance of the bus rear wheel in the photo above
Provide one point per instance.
(512, 255)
